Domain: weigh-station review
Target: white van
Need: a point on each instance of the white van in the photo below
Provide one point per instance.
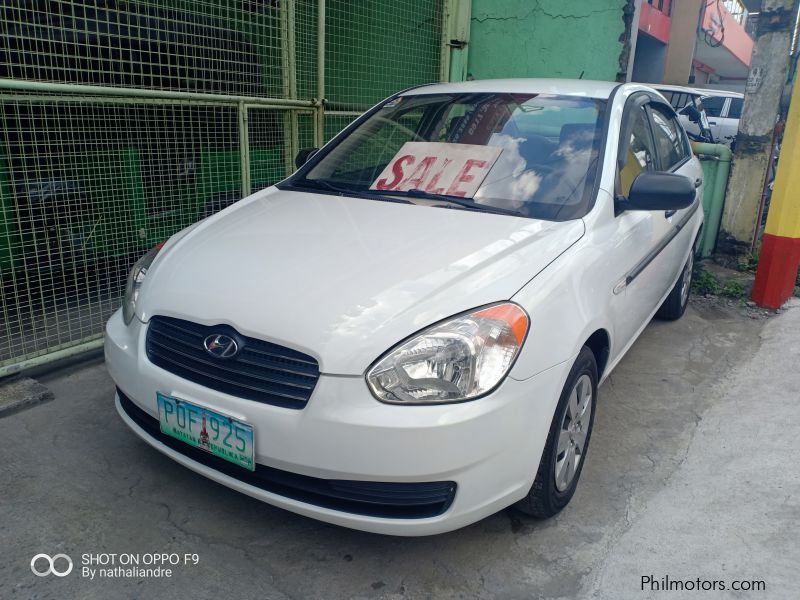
(683, 99)
(721, 109)
(724, 110)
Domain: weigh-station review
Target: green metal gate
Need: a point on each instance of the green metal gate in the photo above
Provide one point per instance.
(124, 121)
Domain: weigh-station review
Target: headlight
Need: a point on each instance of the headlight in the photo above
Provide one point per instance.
(134, 284)
(459, 359)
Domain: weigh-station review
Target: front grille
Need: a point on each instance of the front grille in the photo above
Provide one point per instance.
(390, 500)
(261, 371)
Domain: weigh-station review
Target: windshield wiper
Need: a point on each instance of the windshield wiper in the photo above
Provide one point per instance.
(322, 184)
(463, 202)
(395, 196)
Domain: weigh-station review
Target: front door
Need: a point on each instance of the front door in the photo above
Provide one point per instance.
(675, 156)
(646, 270)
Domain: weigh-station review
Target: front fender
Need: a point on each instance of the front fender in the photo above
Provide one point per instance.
(567, 302)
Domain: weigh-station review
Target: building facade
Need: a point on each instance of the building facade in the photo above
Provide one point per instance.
(700, 43)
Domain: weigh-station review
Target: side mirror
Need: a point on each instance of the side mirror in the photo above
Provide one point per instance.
(303, 156)
(652, 190)
(691, 111)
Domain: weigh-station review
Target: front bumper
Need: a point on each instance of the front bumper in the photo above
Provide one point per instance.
(490, 448)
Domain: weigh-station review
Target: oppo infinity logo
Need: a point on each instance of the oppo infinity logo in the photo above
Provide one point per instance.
(51, 565)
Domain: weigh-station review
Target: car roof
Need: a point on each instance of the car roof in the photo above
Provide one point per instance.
(725, 93)
(676, 88)
(566, 87)
(696, 91)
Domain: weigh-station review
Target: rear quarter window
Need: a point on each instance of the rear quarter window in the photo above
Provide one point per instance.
(714, 105)
(735, 109)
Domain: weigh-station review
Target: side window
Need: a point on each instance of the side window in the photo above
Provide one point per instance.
(677, 99)
(714, 105)
(669, 139)
(640, 152)
(735, 108)
(686, 147)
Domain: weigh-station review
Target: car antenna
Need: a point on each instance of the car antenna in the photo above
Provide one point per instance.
(581, 75)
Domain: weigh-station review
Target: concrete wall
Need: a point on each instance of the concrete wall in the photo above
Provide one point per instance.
(549, 38)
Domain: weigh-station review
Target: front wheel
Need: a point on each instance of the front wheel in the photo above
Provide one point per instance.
(565, 450)
(677, 301)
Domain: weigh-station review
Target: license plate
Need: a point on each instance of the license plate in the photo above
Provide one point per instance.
(208, 430)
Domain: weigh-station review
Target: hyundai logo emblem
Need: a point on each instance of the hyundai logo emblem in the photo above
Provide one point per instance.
(219, 345)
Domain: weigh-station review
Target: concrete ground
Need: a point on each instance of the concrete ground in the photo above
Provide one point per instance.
(691, 474)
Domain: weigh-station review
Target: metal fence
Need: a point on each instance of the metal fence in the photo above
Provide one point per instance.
(125, 121)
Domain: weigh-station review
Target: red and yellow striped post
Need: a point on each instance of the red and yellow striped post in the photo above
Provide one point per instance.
(780, 248)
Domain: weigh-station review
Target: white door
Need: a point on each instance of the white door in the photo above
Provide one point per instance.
(675, 156)
(728, 124)
(715, 107)
(644, 269)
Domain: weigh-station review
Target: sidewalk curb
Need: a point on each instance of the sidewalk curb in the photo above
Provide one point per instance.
(19, 394)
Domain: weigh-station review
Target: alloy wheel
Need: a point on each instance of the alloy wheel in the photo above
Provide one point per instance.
(686, 279)
(572, 433)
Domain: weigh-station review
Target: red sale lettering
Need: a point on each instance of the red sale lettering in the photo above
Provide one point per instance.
(431, 187)
(464, 176)
(415, 180)
(438, 166)
(397, 173)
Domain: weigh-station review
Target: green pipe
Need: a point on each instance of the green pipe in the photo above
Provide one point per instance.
(244, 149)
(288, 51)
(345, 113)
(444, 43)
(220, 100)
(716, 162)
(51, 356)
(96, 90)
(319, 129)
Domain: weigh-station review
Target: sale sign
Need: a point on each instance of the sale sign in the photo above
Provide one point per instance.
(438, 168)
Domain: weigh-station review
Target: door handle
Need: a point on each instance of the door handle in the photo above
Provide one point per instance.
(712, 122)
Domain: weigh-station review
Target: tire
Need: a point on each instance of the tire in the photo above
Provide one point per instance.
(554, 487)
(675, 305)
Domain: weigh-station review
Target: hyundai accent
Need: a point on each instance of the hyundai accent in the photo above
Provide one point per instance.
(407, 334)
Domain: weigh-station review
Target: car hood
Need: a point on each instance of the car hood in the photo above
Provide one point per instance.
(345, 279)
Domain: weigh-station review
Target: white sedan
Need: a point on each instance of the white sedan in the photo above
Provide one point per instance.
(408, 334)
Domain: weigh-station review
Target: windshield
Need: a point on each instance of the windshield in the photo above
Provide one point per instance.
(531, 154)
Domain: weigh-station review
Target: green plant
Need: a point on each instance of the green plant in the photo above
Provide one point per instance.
(733, 289)
(704, 282)
(747, 262)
